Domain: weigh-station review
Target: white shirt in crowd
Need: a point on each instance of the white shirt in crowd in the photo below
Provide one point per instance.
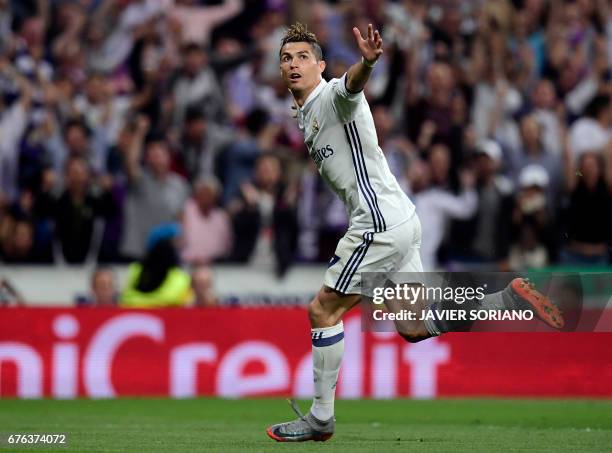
(436, 207)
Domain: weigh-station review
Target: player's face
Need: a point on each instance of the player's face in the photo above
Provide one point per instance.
(300, 69)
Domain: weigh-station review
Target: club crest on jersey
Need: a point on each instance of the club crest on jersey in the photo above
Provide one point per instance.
(315, 125)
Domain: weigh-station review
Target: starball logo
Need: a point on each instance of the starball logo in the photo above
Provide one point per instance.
(315, 126)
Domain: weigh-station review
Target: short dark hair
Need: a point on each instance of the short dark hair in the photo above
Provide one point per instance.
(597, 106)
(256, 120)
(193, 113)
(192, 47)
(156, 137)
(298, 32)
(78, 123)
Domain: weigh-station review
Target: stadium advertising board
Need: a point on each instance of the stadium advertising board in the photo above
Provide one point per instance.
(240, 352)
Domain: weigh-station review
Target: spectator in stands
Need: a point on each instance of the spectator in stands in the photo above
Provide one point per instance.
(592, 131)
(207, 227)
(18, 242)
(264, 218)
(104, 112)
(116, 179)
(589, 214)
(485, 238)
(13, 123)
(157, 280)
(397, 148)
(436, 204)
(76, 210)
(103, 290)
(202, 285)
(195, 22)
(77, 140)
(546, 111)
(201, 144)
(197, 84)
(114, 27)
(321, 215)
(240, 157)
(155, 194)
(533, 152)
(36, 157)
(31, 59)
(429, 116)
(281, 128)
(496, 99)
(309, 214)
(6, 35)
(534, 238)
(31, 214)
(115, 158)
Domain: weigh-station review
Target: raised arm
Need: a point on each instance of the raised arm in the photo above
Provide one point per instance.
(569, 167)
(134, 151)
(371, 50)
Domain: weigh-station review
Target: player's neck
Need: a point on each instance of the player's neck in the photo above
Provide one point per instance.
(301, 96)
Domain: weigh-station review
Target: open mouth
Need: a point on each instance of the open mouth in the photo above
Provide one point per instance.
(295, 76)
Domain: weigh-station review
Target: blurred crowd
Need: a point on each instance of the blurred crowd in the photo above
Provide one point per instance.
(119, 117)
(146, 287)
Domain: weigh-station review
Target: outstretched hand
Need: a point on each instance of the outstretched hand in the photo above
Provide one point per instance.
(370, 47)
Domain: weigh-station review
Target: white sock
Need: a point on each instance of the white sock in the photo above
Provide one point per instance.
(327, 351)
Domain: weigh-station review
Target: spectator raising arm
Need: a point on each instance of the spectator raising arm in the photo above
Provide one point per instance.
(134, 151)
(13, 124)
(569, 167)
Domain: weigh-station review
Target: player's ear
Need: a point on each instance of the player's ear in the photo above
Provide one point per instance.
(322, 65)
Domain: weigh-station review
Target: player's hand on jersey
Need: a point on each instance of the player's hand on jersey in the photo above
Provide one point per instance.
(370, 47)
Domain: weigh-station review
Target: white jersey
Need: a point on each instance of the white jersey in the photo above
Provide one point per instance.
(339, 132)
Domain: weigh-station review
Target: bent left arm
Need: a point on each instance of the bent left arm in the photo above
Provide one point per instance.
(371, 50)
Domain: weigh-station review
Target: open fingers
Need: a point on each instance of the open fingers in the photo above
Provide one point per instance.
(357, 34)
(377, 39)
(370, 32)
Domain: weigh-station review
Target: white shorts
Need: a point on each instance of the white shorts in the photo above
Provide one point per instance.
(390, 252)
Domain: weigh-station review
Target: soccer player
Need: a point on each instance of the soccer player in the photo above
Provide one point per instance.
(384, 234)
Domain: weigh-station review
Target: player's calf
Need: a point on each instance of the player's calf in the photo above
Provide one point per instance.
(327, 309)
(415, 336)
(412, 330)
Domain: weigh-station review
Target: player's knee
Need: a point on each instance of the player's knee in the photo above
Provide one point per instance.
(322, 314)
(314, 311)
(319, 317)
